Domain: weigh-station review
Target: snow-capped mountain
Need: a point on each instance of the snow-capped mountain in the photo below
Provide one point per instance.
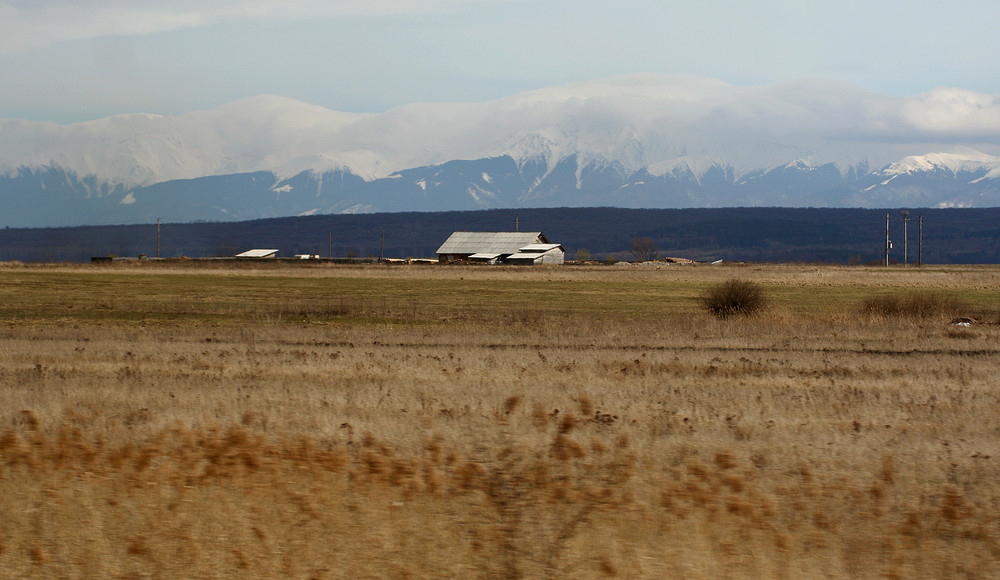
(965, 179)
(635, 141)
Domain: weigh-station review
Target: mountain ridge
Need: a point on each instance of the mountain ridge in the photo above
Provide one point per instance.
(632, 141)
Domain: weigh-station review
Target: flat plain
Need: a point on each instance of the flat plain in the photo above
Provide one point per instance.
(183, 419)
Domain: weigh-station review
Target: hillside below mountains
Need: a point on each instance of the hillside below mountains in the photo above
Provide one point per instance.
(640, 141)
(855, 236)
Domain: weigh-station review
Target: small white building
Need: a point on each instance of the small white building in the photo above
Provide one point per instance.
(538, 254)
(501, 247)
(258, 254)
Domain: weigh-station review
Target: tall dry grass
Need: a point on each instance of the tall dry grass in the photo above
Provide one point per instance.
(505, 444)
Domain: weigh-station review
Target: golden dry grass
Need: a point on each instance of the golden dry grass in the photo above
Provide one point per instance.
(494, 423)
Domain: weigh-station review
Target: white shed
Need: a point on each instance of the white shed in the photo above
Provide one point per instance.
(538, 254)
(258, 254)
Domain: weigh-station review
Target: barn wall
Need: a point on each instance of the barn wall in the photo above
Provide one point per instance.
(555, 256)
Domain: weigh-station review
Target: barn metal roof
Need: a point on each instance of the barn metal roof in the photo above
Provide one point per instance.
(539, 247)
(489, 242)
(257, 253)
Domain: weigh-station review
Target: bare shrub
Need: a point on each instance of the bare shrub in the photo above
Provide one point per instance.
(734, 297)
(644, 249)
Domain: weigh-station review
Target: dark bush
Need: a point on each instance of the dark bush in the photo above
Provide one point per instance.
(734, 297)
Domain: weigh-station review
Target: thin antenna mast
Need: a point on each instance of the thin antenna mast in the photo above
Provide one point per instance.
(888, 244)
(920, 240)
(906, 219)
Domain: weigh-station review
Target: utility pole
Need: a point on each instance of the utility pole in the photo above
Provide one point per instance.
(157, 237)
(906, 218)
(888, 244)
(920, 240)
(517, 225)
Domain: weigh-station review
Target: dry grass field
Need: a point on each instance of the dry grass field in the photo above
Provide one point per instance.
(279, 421)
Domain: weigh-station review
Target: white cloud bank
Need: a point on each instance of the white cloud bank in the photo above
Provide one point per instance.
(962, 113)
(29, 24)
(654, 121)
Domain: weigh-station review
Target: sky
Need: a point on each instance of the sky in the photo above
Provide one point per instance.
(73, 60)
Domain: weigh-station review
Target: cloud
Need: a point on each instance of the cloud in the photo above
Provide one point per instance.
(952, 111)
(30, 24)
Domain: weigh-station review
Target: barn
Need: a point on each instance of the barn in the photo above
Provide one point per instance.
(501, 247)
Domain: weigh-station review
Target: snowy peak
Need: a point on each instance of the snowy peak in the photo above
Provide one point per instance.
(967, 161)
(686, 166)
(543, 146)
(802, 164)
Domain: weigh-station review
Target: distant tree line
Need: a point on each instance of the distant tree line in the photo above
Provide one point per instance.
(841, 236)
